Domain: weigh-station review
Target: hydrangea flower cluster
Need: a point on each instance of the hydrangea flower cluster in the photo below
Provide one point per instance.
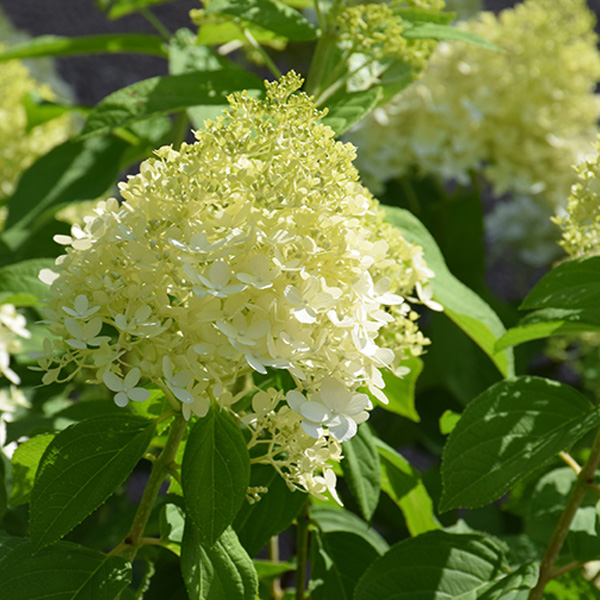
(19, 148)
(520, 116)
(374, 29)
(254, 248)
(581, 223)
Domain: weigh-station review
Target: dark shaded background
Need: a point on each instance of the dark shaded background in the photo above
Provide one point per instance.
(93, 77)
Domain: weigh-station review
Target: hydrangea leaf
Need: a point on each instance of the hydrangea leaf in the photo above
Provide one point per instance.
(437, 31)
(547, 501)
(172, 523)
(572, 285)
(256, 523)
(82, 466)
(76, 170)
(362, 470)
(167, 94)
(472, 314)
(571, 586)
(508, 431)
(215, 473)
(221, 571)
(112, 43)
(269, 14)
(330, 520)
(267, 570)
(419, 15)
(339, 560)
(400, 391)
(448, 421)
(440, 565)
(19, 282)
(39, 111)
(346, 109)
(25, 463)
(186, 56)
(64, 572)
(115, 9)
(403, 484)
(549, 322)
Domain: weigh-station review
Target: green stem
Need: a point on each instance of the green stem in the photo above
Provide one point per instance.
(303, 521)
(164, 33)
(584, 479)
(339, 82)
(319, 63)
(157, 476)
(179, 129)
(268, 61)
(276, 591)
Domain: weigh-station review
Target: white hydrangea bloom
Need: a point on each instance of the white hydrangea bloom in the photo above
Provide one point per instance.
(521, 117)
(255, 248)
(12, 326)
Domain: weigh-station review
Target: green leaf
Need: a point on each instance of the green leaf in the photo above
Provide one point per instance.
(550, 322)
(25, 463)
(395, 78)
(403, 484)
(437, 566)
(362, 470)
(256, 523)
(163, 95)
(330, 520)
(511, 429)
(40, 111)
(268, 570)
(268, 14)
(111, 43)
(448, 421)
(419, 15)
(76, 170)
(223, 571)
(571, 586)
(80, 469)
(400, 391)
(215, 473)
(514, 586)
(461, 304)
(572, 285)
(339, 560)
(19, 282)
(115, 9)
(437, 31)
(546, 503)
(346, 109)
(64, 572)
(186, 56)
(172, 523)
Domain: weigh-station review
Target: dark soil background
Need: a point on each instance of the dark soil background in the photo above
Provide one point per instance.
(93, 77)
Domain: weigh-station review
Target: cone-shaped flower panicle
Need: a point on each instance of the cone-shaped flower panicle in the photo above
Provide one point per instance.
(254, 248)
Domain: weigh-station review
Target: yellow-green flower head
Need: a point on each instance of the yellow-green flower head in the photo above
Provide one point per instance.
(375, 29)
(19, 148)
(254, 248)
(520, 116)
(581, 223)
